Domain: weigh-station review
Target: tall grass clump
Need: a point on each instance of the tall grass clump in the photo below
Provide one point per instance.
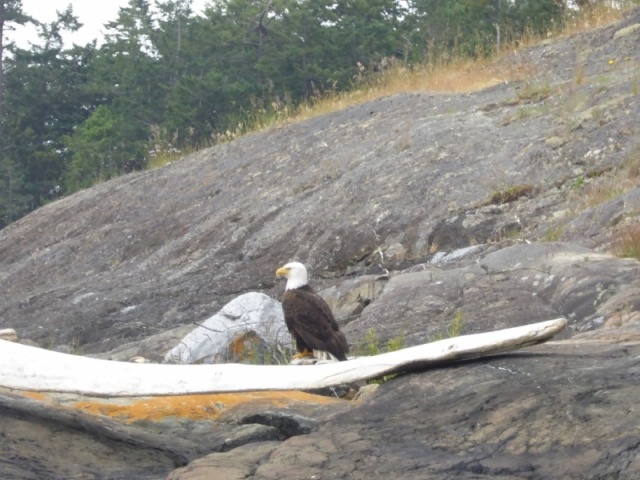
(605, 185)
(626, 241)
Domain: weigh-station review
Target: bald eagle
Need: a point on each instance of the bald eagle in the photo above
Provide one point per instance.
(309, 318)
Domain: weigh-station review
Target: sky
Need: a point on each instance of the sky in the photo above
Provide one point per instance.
(93, 14)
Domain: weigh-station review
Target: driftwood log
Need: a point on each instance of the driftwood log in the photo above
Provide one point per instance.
(29, 368)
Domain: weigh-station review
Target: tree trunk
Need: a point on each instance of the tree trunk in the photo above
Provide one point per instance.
(2, 20)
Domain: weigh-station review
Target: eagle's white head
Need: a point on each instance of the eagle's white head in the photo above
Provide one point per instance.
(295, 273)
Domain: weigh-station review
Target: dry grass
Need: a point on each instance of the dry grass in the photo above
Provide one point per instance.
(626, 241)
(460, 75)
(449, 75)
(553, 234)
(603, 186)
(596, 16)
(511, 193)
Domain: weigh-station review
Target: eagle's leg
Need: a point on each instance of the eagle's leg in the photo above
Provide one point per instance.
(303, 354)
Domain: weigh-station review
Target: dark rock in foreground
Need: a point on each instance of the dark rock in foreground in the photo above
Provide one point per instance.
(63, 436)
(41, 442)
(564, 410)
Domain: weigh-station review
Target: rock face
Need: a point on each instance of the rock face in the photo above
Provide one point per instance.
(41, 442)
(50, 436)
(505, 287)
(415, 213)
(236, 465)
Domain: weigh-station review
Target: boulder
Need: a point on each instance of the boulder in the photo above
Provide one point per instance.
(44, 441)
(249, 328)
(238, 464)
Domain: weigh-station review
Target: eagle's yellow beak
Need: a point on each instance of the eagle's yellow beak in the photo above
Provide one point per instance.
(282, 272)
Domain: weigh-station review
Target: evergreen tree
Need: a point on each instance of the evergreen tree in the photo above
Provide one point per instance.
(10, 15)
(101, 149)
(303, 54)
(13, 201)
(437, 29)
(43, 102)
(187, 49)
(123, 79)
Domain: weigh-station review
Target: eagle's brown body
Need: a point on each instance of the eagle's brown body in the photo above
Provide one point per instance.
(311, 323)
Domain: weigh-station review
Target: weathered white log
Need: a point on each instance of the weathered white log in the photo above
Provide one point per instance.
(28, 368)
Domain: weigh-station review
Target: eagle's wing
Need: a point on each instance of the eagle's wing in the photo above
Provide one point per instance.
(309, 317)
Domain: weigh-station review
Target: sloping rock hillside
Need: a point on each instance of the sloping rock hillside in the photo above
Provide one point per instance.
(374, 188)
(419, 215)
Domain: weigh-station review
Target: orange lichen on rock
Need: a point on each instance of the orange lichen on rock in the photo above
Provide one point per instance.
(193, 407)
(35, 395)
(243, 346)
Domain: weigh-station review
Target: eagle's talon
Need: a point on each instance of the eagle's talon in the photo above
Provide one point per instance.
(303, 354)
